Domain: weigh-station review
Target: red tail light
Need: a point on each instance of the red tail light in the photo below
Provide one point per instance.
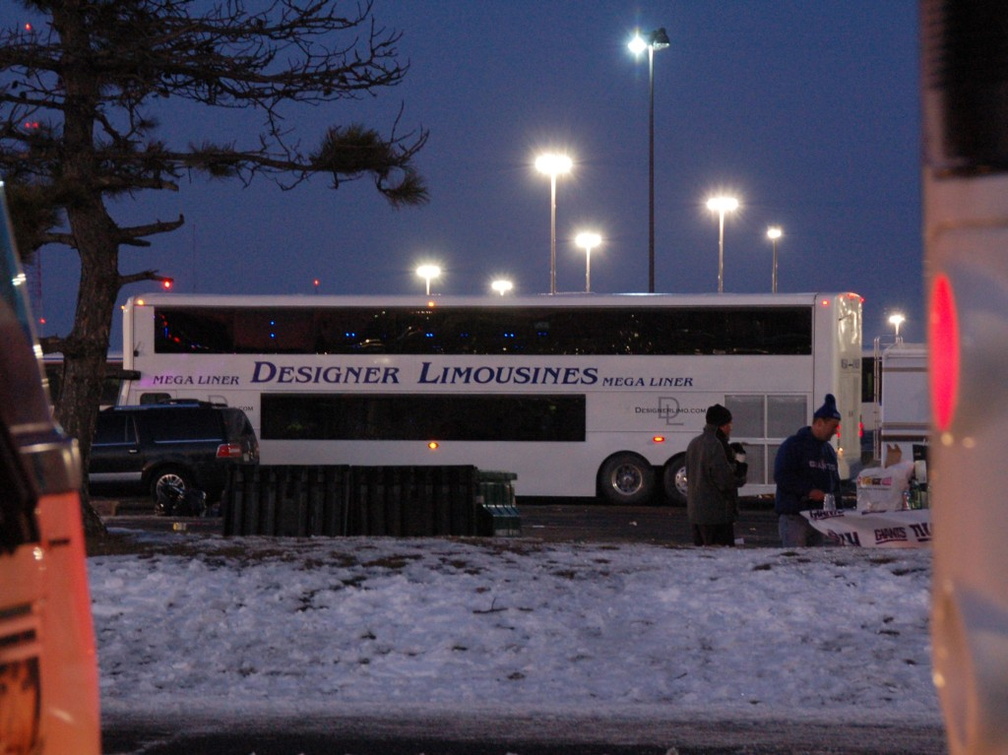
(943, 334)
(229, 451)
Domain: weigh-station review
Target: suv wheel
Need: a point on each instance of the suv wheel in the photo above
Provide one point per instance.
(168, 476)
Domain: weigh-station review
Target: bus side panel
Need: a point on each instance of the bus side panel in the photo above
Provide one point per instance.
(630, 400)
(967, 478)
(561, 467)
(966, 235)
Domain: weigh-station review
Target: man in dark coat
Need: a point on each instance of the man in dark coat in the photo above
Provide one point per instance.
(805, 471)
(713, 477)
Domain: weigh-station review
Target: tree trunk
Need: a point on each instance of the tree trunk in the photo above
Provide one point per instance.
(85, 350)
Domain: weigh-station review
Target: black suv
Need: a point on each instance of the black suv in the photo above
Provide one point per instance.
(181, 442)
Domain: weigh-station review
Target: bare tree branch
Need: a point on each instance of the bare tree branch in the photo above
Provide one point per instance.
(79, 96)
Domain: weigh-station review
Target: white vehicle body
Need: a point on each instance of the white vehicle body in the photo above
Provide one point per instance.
(49, 693)
(965, 97)
(901, 411)
(551, 388)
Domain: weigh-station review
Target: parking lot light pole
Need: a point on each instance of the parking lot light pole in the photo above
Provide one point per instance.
(502, 286)
(553, 165)
(721, 205)
(588, 241)
(655, 40)
(427, 272)
(773, 233)
(896, 320)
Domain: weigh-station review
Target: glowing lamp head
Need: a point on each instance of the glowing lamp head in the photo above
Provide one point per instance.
(722, 204)
(656, 40)
(553, 164)
(428, 273)
(502, 286)
(638, 44)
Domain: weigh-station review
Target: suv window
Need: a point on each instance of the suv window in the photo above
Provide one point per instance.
(237, 423)
(114, 430)
(184, 425)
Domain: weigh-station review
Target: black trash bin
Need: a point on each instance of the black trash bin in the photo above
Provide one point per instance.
(497, 513)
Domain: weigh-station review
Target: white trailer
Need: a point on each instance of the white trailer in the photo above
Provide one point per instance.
(903, 409)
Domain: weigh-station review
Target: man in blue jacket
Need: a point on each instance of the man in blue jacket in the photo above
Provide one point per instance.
(805, 472)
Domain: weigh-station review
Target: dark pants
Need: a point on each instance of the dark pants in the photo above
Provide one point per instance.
(714, 534)
(796, 532)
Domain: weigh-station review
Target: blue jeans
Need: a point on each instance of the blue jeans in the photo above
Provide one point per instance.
(796, 532)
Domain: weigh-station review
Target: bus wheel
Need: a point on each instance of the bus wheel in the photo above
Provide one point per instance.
(674, 481)
(626, 479)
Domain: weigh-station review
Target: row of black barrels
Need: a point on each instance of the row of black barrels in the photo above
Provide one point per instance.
(337, 500)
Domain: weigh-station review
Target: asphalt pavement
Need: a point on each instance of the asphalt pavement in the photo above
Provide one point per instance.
(495, 732)
(570, 520)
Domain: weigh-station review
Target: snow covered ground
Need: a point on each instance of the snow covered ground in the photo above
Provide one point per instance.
(305, 626)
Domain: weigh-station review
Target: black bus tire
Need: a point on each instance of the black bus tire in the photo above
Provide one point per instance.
(674, 480)
(626, 479)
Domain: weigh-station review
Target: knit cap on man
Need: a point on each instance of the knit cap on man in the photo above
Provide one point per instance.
(718, 415)
(828, 410)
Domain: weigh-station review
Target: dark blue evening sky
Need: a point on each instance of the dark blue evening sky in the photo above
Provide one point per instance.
(806, 111)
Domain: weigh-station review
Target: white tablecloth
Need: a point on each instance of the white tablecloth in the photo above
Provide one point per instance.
(886, 529)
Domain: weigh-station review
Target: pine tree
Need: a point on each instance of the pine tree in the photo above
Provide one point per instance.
(77, 92)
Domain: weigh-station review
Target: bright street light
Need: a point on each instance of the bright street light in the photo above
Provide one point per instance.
(896, 320)
(721, 205)
(502, 286)
(553, 165)
(655, 40)
(427, 272)
(773, 233)
(588, 240)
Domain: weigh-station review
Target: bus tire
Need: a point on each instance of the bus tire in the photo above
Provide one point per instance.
(626, 479)
(674, 480)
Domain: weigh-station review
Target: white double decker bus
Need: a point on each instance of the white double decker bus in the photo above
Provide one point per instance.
(578, 395)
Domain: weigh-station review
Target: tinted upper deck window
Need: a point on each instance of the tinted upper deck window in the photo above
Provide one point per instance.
(619, 330)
